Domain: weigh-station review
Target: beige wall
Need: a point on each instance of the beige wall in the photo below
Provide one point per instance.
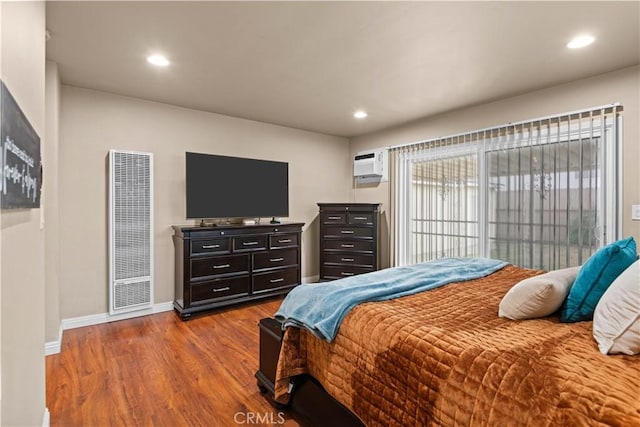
(93, 122)
(621, 86)
(22, 240)
(50, 204)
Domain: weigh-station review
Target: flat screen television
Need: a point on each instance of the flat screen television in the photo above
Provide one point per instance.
(235, 187)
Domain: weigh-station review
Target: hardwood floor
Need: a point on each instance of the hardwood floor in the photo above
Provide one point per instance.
(160, 371)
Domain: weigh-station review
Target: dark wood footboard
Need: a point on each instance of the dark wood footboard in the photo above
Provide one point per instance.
(270, 340)
(308, 398)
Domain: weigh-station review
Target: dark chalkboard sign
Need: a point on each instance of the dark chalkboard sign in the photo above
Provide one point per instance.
(21, 172)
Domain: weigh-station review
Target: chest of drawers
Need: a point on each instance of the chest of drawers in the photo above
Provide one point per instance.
(348, 239)
(220, 266)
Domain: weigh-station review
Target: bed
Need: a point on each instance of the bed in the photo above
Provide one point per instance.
(444, 357)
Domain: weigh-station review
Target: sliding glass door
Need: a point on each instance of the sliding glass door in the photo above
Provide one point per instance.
(543, 203)
(541, 194)
(444, 208)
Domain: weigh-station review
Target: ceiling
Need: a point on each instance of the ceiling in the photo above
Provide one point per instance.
(310, 65)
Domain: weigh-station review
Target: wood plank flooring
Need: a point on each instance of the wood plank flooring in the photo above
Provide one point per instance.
(160, 371)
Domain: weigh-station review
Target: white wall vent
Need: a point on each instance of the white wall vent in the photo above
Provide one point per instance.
(130, 231)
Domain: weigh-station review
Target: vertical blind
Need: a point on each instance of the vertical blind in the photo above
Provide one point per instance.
(540, 194)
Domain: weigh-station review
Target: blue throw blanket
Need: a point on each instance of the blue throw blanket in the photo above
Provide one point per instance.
(320, 307)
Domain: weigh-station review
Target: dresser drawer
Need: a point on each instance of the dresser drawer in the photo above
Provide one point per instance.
(283, 240)
(346, 231)
(276, 279)
(360, 218)
(232, 287)
(349, 245)
(210, 246)
(333, 217)
(273, 259)
(342, 271)
(220, 265)
(249, 243)
(349, 259)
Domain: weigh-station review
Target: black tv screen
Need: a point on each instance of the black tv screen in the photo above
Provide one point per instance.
(234, 187)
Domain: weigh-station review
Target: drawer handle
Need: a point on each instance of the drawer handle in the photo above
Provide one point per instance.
(361, 218)
(222, 266)
(249, 243)
(276, 259)
(347, 274)
(344, 245)
(276, 280)
(226, 288)
(347, 259)
(210, 246)
(347, 231)
(335, 217)
(284, 241)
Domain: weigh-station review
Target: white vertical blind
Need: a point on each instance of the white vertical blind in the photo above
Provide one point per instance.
(540, 194)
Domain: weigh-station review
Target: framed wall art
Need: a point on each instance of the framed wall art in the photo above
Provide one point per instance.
(20, 163)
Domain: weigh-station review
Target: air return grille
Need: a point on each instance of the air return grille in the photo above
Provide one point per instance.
(130, 230)
(130, 294)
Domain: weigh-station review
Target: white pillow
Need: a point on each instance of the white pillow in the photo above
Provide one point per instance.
(538, 296)
(616, 320)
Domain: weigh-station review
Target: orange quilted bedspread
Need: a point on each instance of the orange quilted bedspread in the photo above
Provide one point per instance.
(444, 357)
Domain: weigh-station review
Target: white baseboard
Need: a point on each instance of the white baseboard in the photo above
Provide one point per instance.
(46, 419)
(96, 319)
(53, 347)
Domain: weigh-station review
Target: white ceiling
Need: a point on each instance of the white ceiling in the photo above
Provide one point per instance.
(310, 65)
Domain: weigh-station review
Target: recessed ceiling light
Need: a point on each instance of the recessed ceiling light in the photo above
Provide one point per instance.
(580, 41)
(360, 114)
(158, 60)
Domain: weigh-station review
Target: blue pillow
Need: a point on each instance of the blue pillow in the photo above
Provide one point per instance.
(595, 276)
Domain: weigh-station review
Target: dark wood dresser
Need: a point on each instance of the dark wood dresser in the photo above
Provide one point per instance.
(348, 239)
(224, 265)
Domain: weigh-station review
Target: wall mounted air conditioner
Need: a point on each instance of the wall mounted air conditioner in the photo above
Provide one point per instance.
(130, 231)
(371, 166)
